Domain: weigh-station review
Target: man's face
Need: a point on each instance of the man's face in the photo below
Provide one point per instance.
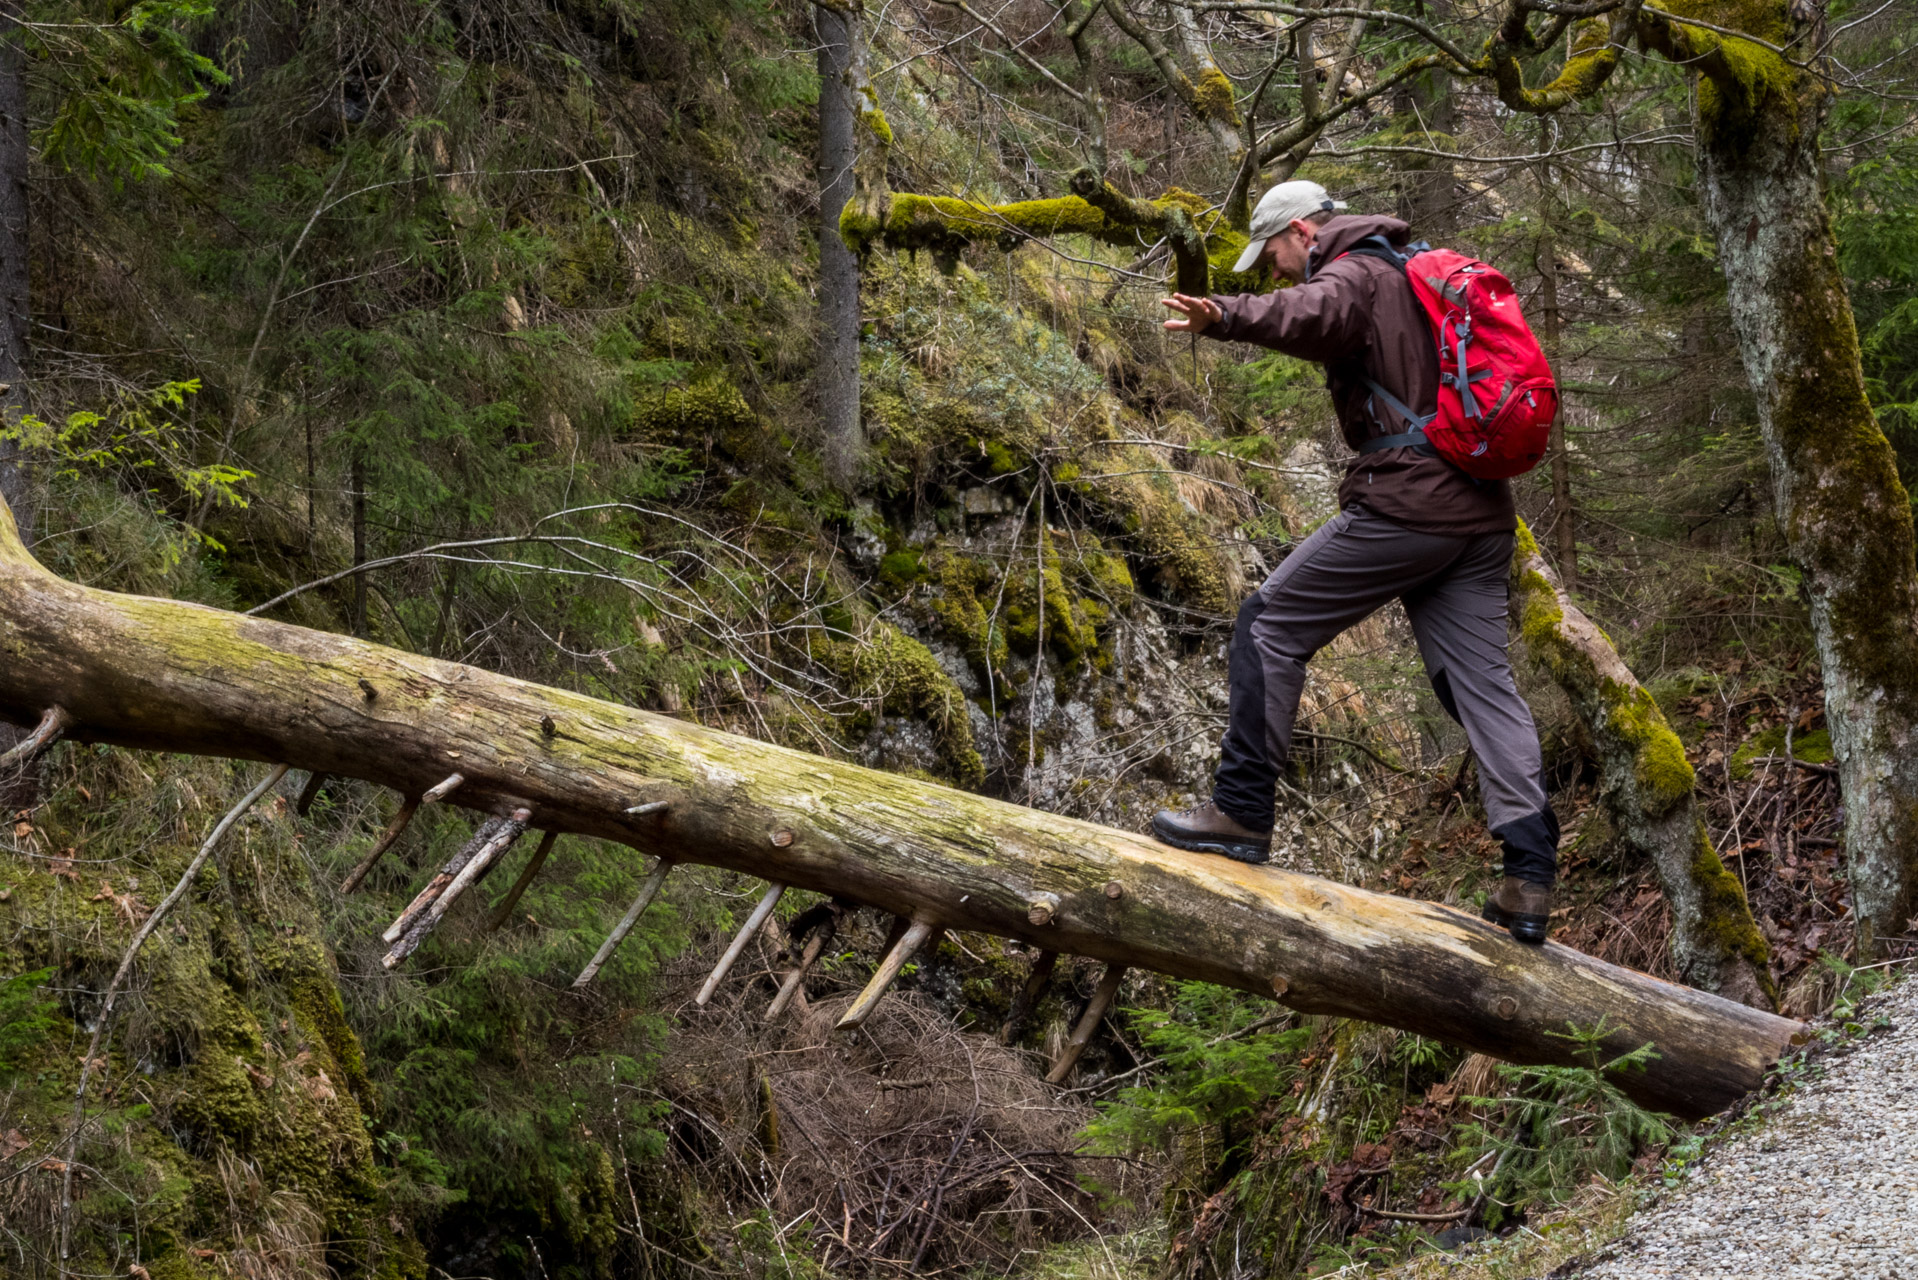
(1286, 252)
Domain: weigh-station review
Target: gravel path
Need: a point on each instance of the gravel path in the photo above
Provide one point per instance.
(1827, 1187)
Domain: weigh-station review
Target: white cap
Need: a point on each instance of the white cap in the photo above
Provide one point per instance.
(1277, 208)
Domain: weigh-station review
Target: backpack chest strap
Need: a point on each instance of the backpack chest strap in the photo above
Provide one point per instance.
(1413, 439)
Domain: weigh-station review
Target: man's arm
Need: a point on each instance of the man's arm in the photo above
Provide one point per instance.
(1322, 320)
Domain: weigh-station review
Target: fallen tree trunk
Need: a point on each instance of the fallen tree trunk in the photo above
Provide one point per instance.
(161, 675)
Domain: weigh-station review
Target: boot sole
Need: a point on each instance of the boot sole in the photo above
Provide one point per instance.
(1251, 854)
(1530, 930)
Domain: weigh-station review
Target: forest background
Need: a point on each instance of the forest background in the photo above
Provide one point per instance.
(523, 335)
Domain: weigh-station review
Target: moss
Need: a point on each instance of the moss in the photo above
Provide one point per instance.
(947, 222)
(1050, 613)
(1222, 254)
(220, 1101)
(1183, 558)
(1109, 574)
(1664, 775)
(873, 117)
(315, 998)
(709, 405)
(1589, 62)
(1213, 98)
(1741, 80)
(1191, 201)
(901, 569)
(1726, 914)
(859, 227)
(964, 617)
(1812, 748)
(768, 1120)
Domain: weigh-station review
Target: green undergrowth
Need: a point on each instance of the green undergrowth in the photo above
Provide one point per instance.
(269, 1092)
(1279, 1130)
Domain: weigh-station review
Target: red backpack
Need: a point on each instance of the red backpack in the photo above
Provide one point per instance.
(1496, 397)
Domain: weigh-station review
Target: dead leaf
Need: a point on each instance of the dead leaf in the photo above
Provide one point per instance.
(12, 1143)
(320, 1088)
(63, 867)
(138, 1272)
(261, 1080)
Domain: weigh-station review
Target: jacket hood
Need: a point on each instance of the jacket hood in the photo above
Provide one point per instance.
(1341, 234)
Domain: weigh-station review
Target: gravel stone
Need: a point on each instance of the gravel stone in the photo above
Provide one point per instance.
(1825, 1189)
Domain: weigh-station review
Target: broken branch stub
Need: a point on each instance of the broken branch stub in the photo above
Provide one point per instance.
(475, 870)
(436, 794)
(309, 793)
(818, 936)
(1088, 1023)
(133, 672)
(1029, 993)
(437, 885)
(533, 865)
(393, 829)
(745, 935)
(647, 892)
(868, 999)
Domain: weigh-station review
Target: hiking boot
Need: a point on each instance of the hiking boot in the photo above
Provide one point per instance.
(1204, 829)
(1523, 907)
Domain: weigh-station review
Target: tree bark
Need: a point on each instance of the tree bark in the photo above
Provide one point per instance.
(838, 372)
(1564, 515)
(1648, 787)
(1835, 487)
(1426, 196)
(23, 790)
(356, 476)
(160, 675)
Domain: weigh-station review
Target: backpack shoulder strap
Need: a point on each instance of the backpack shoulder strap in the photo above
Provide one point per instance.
(1381, 248)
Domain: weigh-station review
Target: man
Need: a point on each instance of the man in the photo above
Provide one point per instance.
(1410, 526)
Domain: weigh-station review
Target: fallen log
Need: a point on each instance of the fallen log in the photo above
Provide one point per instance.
(162, 675)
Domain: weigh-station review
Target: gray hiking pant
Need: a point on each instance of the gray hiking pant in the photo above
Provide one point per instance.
(1454, 589)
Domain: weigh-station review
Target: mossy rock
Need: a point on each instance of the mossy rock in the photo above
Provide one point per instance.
(908, 680)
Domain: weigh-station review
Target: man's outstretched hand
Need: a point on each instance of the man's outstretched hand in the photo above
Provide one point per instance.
(1195, 315)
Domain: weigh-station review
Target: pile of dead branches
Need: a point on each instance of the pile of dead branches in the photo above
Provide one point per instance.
(908, 1146)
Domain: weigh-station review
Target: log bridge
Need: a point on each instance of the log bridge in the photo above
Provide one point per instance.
(162, 675)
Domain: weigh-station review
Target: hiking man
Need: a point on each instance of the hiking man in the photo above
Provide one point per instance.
(1411, 525)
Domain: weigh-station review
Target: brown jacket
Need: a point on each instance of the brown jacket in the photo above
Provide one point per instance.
(1357, 316)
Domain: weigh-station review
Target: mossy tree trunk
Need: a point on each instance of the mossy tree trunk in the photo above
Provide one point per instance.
(1835, 487)
(838, 29)
(160, 675)
(1648, 786)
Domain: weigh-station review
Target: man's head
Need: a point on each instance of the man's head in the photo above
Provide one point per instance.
(1284, 226)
